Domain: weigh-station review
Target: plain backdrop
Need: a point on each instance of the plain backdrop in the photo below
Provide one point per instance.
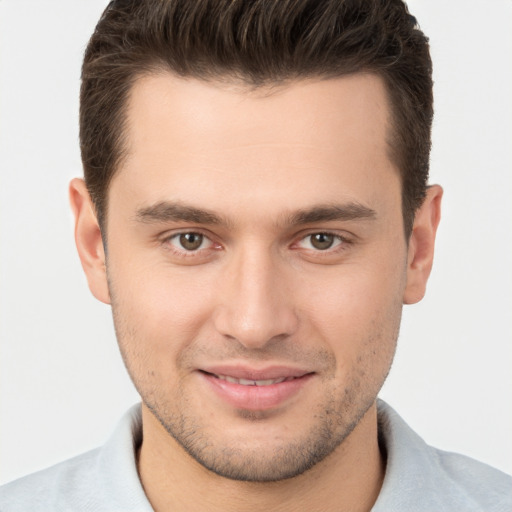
(62, 383)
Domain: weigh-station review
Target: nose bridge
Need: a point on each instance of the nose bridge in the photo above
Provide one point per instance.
(254, 307)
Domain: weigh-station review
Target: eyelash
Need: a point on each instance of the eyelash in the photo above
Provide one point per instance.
(341, 243)
(167, 242)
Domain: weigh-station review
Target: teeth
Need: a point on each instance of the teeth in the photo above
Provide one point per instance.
(246, 382)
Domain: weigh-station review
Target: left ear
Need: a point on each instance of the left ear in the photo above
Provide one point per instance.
(88, 240)
(421, 245)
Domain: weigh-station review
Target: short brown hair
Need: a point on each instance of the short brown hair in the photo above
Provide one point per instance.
(258, 42)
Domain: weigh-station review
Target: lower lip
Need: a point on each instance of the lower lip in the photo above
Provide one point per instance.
(256, 398)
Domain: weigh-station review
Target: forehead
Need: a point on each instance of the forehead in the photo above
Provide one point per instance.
(226, 144)
(303, 111)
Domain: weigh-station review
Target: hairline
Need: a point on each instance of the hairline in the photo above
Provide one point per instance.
(242, 83)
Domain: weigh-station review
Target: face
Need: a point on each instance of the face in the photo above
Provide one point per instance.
(257, 266)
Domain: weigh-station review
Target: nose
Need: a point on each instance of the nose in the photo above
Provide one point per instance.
(255, 305)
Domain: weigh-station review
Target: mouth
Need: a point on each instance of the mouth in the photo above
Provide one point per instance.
(255, 390)
(252, 382)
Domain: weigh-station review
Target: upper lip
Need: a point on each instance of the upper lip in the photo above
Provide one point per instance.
(248, 373)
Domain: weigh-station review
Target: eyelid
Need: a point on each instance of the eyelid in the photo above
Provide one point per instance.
(204, 241)
(171, 233)
(344, 239)
(166, 238)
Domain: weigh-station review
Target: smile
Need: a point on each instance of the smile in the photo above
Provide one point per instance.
(250, 391)
(249, 382)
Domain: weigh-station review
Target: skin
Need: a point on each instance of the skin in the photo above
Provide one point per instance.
(268, 169)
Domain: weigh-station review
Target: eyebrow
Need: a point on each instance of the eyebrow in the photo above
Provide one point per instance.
(165, 211)
(323, 213)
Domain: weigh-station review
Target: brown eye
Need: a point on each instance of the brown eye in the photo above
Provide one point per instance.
(322, 241)
(191, 241)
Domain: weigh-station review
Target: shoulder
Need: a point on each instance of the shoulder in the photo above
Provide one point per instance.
(487, 487)
(422, 478)
(64, 486)
(102, 480)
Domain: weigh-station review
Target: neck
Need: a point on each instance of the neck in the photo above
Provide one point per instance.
(347, 480)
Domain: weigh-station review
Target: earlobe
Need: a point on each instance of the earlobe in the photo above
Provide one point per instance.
(421, 245)
(88, 240)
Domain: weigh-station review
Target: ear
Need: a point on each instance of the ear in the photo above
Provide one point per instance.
(421, 245)
(88, 240)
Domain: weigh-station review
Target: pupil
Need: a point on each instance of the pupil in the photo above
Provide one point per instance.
(191, 241)
(322, 241)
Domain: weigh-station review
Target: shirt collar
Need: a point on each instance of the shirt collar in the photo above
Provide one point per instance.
(415, 478)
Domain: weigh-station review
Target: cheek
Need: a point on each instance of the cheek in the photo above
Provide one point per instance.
(157, 313)
(155, 318)
(358, 309)
(159, 295)
(355, 295)
(360, 328)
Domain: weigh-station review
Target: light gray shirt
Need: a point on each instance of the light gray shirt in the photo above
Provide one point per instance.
(418, 478)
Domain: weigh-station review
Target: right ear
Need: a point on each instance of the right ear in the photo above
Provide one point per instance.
(88, 240)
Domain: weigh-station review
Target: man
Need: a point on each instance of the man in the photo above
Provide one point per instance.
(256, 211)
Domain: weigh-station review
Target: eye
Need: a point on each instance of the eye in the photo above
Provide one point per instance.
(320, 241)
(189, 241)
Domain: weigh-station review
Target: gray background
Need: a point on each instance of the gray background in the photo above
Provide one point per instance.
(62, 383)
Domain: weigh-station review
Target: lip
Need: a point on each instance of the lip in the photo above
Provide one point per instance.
(250, 373)
(255, 397)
